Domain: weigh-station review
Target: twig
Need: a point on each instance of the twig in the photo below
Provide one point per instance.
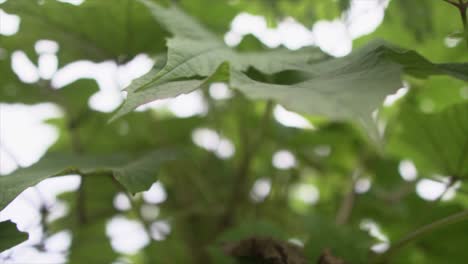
(416, 234)
(450, 2)
(346, 207)
(452, 181)
(347, 204)
(462, 7)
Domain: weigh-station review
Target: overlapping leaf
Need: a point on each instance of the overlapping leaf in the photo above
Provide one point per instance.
(345, 88)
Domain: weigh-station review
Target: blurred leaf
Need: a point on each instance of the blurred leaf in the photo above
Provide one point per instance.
(340, 86)
(10, 236)
(90, 210)
(416, 17)
(95, 30)
(135, 175)
(90, 244)
(423, 26)
(345, 242)
(12, 89)
(305, 11)
(436, 142)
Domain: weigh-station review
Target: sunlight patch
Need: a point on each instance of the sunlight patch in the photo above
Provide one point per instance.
(284, 160)
(306, 193)
(220, 91)
(28, 140)
(121, 202)
(156, 194)
(127, 236)
(407, 170)
(9, 24)
(260, 189)
(73, 2)
(46, 46)
(24, 68)
(290, 119)
(432, 190)
(212, 141)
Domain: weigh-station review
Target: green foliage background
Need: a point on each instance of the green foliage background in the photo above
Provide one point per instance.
(209, 202)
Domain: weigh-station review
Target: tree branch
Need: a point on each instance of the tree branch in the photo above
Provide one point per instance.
(346, 206)
(452, 3)
(462, 7)
(452, 181)
(424, 230)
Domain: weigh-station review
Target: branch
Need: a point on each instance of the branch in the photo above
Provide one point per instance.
(424, 230)
(452, 3)
(462, 7)
(347, 203)
(452, 181)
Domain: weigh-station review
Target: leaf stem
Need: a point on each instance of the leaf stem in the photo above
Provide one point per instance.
(416, 234)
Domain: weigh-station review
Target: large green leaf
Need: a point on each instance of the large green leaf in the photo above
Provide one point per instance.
(135, 175)
(10, 236)
(436, 142)
(344, 88)
(95, 30)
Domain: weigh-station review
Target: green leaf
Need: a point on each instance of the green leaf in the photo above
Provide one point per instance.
(344, 88)
(95, 30)
(436, 142)
(348, 243)
(135, 175)
(177, 22)
(12, 90)
(10, 236)
(423, 26)
(90, 244)
(87, 217)
(340, 87)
